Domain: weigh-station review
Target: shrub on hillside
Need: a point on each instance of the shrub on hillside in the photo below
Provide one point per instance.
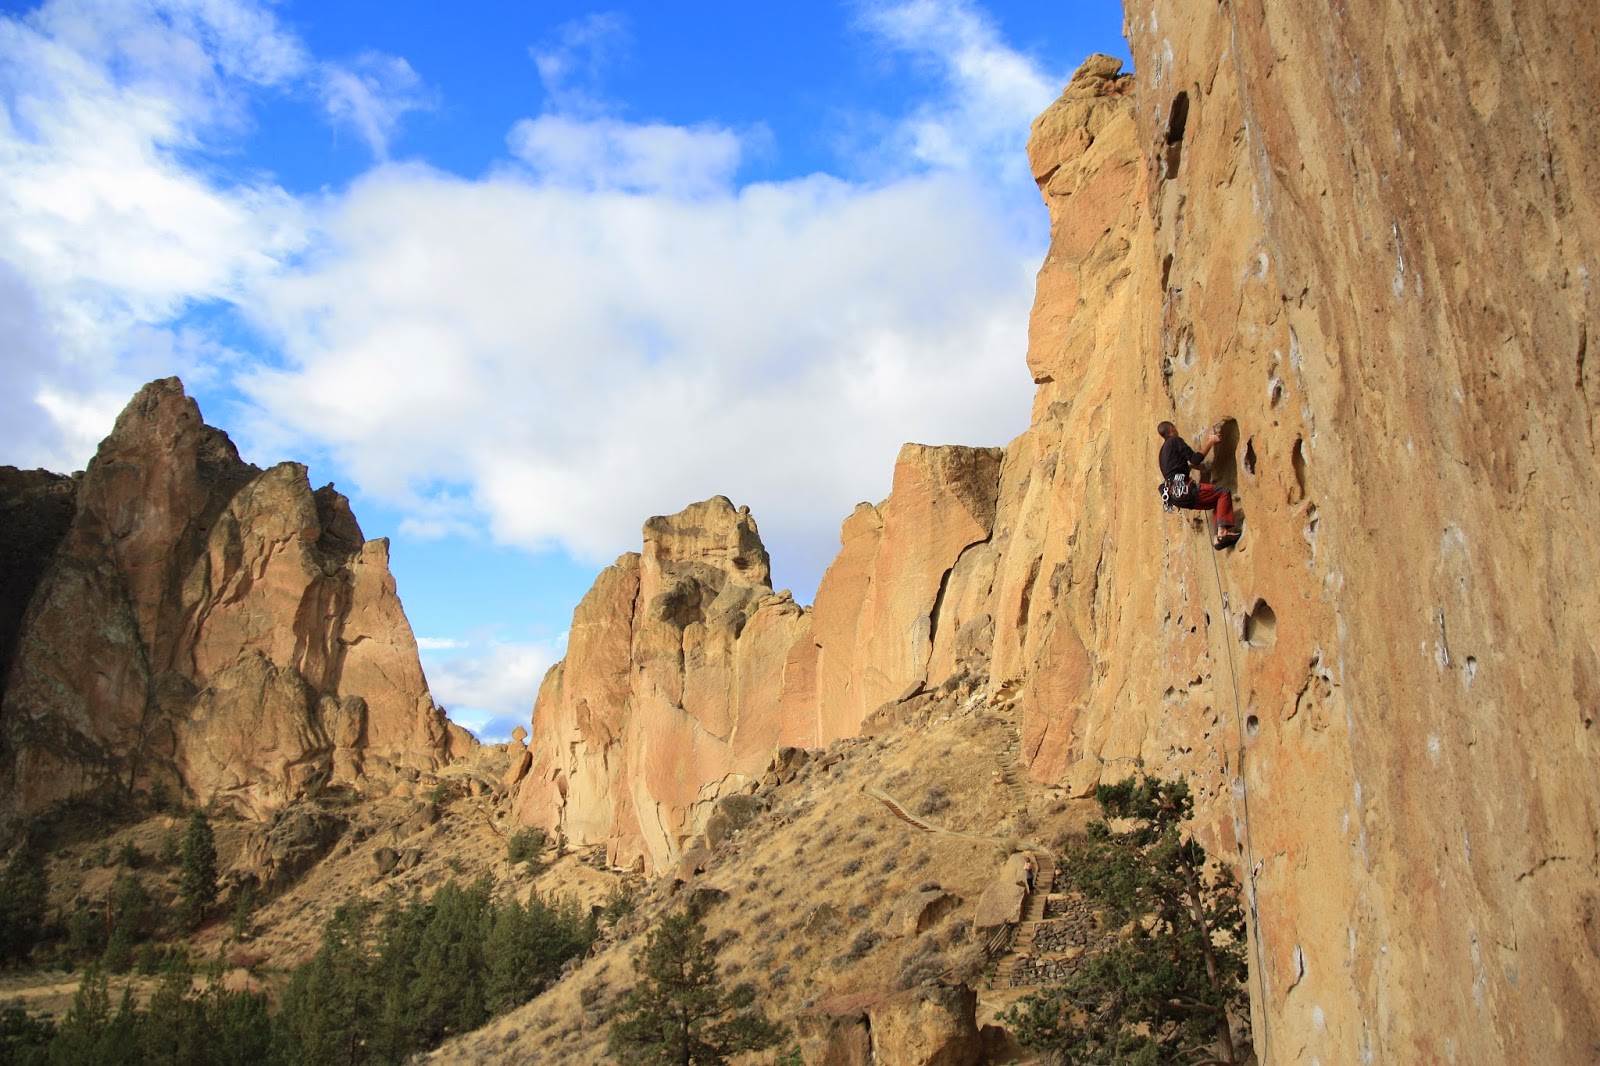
(526, 845)
(1168, 985)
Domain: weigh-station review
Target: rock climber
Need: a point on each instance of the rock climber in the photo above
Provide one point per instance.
(1176, 459)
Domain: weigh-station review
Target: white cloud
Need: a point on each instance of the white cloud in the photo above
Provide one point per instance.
(371, 96)
(619, 330)
(990, 92)
(487, 686)
(106, 228)
(609, 154)
(571, 62)
(577, 362)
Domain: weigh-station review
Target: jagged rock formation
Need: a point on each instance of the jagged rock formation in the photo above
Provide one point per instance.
(211, 625)
(685, 673)
(1361, 236)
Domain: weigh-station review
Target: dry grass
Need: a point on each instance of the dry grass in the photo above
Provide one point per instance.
(807, 902)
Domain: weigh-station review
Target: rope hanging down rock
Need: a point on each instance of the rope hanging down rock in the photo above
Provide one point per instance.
(1244, 794)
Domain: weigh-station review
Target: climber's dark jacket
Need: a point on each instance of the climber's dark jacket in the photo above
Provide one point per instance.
(1177, 457)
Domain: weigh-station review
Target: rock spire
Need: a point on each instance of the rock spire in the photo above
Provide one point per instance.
(200, 623)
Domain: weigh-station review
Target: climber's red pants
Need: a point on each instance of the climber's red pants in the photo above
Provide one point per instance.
(1221, 499)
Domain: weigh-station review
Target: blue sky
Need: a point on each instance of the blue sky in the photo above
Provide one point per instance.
(517, 276)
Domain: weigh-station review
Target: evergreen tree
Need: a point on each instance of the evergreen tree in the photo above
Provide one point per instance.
(173, 1029)
(527, 947)
(387, 986)
(90, 1034)
(448, 994)
(24, 895)
(1164, 991)
(244, 906)
(678, 1013)
(240, 1028)
(328, 1011)
(213, 1027)
(24, 1040)
(397, 971)
(86, 932)
(118, 956)
(197, 879)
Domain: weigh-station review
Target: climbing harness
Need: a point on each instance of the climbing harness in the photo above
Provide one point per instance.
(1176, 492)
(1251, 866)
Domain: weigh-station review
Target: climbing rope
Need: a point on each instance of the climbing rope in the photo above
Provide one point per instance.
(1244, 792)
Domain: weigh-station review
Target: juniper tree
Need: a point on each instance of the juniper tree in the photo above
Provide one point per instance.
(23, 897)
(678, 1013)
(1164, 991)
(197, 880)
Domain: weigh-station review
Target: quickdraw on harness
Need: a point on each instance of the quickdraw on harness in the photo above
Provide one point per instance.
(1177, 492)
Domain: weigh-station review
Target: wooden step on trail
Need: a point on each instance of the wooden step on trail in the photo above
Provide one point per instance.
(898, 809)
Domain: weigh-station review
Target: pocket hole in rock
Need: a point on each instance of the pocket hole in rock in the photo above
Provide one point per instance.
(1297, 459)
(1224, 460)
(1177, 123)
(1261, 625)
(1250, 457)
(1252, 725)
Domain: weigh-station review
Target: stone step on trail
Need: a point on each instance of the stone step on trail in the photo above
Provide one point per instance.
(1008, 758)
(1036, 973)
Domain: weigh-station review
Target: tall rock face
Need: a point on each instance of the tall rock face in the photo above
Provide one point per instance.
(876, 619)
(685, 673)
(1362, 235)
(205, 623)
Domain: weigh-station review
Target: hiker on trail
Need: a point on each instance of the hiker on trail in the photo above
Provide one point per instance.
(1177, 459)
(1027, 872)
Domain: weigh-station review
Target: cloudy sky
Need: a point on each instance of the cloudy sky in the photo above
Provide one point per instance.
(517, 276)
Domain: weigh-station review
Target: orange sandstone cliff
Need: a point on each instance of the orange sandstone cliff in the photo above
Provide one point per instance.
(1360, 236)
(194, 622)
(685, 672)
(1373, 234)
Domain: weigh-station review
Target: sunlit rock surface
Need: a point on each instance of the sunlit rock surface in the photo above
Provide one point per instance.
(207, 625)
